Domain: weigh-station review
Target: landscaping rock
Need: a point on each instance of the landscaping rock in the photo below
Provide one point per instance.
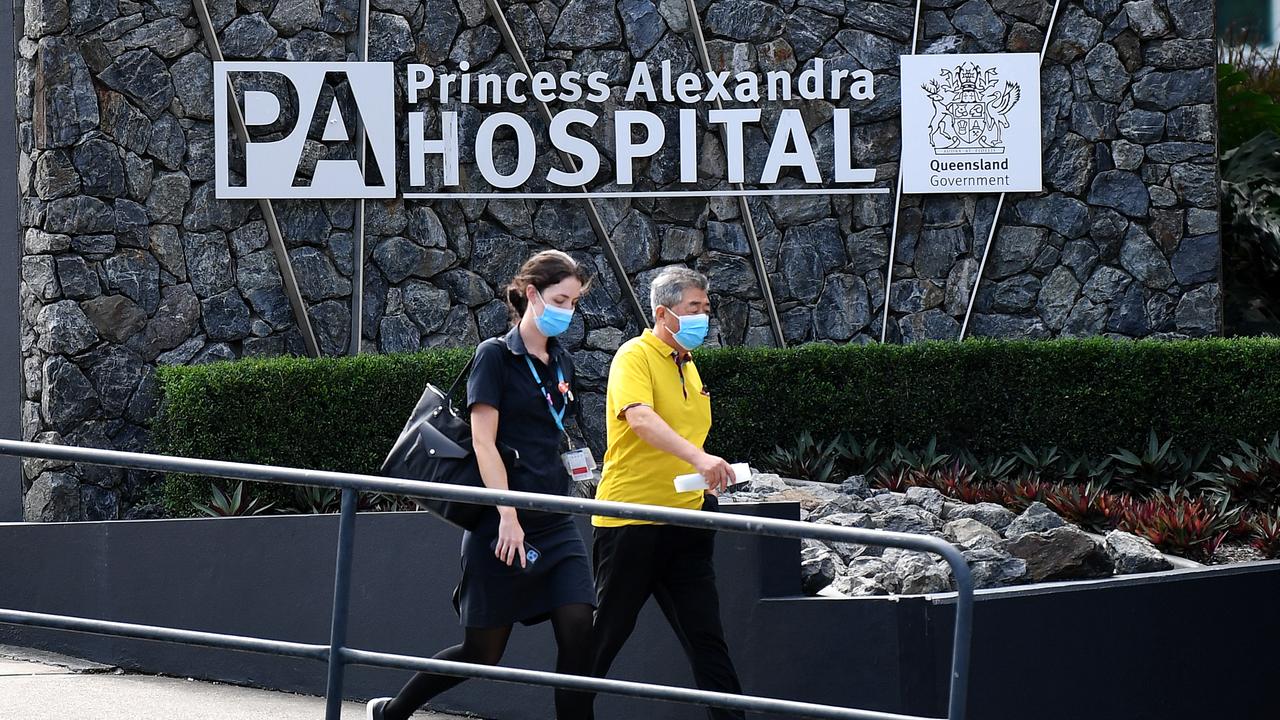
(849, 551)
(996, 517)
(919, 573)
(1131, 554)
(1036, 518)
(819, 566)
(843, 504)
(809, 500)
(856, 586)
(994, 567)
(907, 518)
(886, 500)
(928, 498)
(872, 567)
(856, 485)
(1063, 552)
(970, 533)
(763, 483)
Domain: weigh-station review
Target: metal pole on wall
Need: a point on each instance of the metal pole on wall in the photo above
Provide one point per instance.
(995, 219)
(593, 215)
(748, 222)
(897, 200)
(357, 229)
(287, 278)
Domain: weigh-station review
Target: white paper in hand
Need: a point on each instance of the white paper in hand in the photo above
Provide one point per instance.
(694, 481)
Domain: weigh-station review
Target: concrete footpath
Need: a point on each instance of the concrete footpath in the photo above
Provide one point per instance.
(42, 686)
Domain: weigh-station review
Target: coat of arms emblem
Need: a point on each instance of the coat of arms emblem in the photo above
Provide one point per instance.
(970, 111)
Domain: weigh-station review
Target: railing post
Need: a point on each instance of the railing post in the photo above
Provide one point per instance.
(341, 605)
(958, 692)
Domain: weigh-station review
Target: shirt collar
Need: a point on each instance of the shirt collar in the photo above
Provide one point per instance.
(515, 343)
(650, 338)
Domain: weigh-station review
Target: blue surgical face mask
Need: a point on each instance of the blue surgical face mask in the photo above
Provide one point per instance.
(553, 320)
(693, 329)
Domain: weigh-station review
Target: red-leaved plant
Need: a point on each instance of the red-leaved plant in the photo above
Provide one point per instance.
(1088, 506)
(956, 480)
(1266, 533)
(1191, 526)
(897, 480)
(1025, 491)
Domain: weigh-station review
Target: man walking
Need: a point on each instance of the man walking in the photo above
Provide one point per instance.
(659, 415)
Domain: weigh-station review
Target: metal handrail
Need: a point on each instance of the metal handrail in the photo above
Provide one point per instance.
(337, 655)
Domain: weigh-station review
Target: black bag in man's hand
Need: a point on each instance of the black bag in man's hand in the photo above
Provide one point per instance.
(435, 445)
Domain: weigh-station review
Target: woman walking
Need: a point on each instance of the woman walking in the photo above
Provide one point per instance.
(519, 391)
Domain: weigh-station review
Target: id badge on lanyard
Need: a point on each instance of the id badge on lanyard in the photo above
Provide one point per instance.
(578, 461)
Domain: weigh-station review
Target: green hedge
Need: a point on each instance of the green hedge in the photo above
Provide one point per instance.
(990, 396)
(995, 396)
(328, 413)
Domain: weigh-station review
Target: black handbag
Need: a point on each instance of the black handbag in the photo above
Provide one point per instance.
(435, 445)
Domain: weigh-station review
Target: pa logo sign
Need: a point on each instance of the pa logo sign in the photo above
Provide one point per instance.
(286, 104)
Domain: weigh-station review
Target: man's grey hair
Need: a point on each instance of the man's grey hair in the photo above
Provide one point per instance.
(668, 288)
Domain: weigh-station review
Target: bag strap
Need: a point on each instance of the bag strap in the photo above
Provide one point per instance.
(465, 371)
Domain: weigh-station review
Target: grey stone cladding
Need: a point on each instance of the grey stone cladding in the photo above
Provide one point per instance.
(128, 261)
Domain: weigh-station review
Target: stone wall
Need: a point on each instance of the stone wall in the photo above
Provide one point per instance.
(129, 262)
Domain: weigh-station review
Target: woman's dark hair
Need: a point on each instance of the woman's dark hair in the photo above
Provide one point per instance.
(542, 271)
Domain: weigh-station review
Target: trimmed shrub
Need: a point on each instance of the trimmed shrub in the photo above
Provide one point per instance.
(986, 396)
(992, 396)
(338, 413)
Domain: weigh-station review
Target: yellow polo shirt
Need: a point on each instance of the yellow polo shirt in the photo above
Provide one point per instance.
(645, 372)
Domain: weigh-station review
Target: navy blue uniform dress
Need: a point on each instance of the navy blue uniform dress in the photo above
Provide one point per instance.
(492, 594)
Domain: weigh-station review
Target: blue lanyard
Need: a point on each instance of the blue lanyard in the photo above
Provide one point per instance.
(551, 406)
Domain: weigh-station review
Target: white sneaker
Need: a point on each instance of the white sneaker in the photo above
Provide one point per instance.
(374, 708)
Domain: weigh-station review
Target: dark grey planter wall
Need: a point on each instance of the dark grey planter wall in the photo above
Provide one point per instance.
(128, 262)
(1130, 647)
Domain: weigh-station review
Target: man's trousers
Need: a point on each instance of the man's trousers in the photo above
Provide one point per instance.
(674, 565)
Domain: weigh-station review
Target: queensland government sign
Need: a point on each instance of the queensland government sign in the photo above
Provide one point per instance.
(971, 123)
(324, 101)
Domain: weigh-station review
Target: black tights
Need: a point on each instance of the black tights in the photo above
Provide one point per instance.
(572, 626)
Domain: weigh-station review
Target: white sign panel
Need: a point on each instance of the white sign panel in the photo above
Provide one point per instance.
(971, 123)
(477, 134)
